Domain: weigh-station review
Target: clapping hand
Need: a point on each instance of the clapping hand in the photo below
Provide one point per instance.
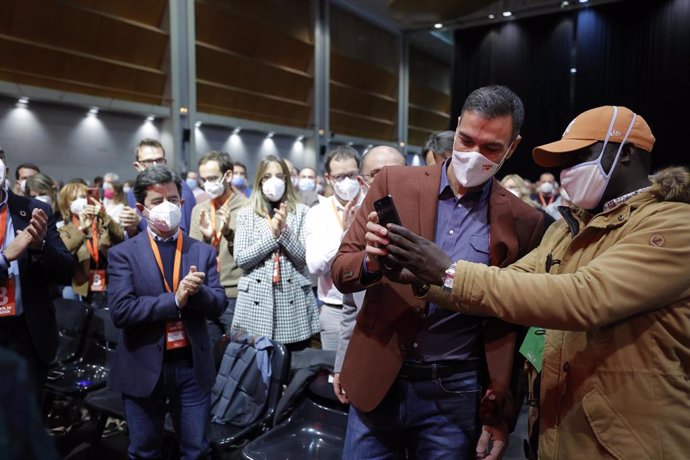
(279, 220)
(189, 286)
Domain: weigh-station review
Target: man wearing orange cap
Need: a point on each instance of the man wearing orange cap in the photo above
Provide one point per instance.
(609, 284)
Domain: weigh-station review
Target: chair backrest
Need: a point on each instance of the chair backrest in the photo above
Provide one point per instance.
(102, 339)
(249, 382)
(72, 318)
(280, 367)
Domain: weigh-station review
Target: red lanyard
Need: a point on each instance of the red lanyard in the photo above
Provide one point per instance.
(276, 257)
(3, 225)
(215, 239)
(543, 202)
(176, 265)
(92, 244)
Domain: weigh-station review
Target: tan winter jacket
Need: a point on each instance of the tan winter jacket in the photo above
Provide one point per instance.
(616, 303)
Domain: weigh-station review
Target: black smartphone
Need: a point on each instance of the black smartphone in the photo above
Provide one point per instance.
(385, 208)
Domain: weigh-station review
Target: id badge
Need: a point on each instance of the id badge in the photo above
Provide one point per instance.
(97, 281)
(7, 302)
(175, 335)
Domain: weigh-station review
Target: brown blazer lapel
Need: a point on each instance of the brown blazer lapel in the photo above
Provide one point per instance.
(503, 247)
(428, 201)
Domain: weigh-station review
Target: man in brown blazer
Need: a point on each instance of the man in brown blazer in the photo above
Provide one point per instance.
(414, 373)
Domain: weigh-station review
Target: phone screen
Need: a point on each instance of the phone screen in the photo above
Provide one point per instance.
(385, 208)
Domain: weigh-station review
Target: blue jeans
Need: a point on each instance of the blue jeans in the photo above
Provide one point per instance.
(426, 419)
(177, 392)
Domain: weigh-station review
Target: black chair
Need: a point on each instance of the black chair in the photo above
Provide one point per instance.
(91, 370)
(314, 430)
(310, 422)
(72, 320)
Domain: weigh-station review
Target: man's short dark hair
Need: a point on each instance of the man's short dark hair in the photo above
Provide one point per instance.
(497, 101)
(340, 153)
(223, 159)
(439, 142)
(155, 175)
(147, 142)
(25, 166)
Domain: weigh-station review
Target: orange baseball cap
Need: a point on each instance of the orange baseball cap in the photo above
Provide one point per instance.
(591, 127)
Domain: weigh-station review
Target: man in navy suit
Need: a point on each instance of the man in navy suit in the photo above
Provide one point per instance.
(163, 286)
(150, 152)
(32, 258)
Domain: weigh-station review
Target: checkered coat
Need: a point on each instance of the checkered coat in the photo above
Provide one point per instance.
(285, 311)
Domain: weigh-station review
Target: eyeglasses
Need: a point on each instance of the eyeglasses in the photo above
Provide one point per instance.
(341, 177)
(154, 161)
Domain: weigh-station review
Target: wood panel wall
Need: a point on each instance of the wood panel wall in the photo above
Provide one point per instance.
(429, 97)
(255, 60)
(99, 47)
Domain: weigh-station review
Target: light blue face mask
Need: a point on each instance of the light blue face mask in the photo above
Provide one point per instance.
(191, 183)
(239, 181)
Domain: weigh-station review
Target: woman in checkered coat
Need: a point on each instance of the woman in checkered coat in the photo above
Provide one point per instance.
(275, 297)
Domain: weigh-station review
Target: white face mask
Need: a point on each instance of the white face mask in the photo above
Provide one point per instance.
(307, 184)
(273, 189)
(44, 198)
(164, 217)
(473, 168)
(585, 183)
(2, 173)
(22, 186)
(546, 188)
(346, 189)
(215, 189)
(77, 206)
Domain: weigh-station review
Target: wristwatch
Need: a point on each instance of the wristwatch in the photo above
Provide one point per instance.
(449, 277)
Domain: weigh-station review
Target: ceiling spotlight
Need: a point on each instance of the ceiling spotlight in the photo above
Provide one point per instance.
(582, 1)
(150, 118)
(300, 138)
(184, 110)
(507, 14)
(492, 16)
(93, 110)
(198, 124)
(573, 70)
(236, 130)
(23, 100)
(321, 132)
(565, 3)
(438, 25)
(270, 134)
(402, 144)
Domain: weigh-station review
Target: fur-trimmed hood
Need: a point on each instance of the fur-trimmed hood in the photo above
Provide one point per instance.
(672, 184)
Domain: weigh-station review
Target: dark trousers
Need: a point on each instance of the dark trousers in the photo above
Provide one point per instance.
(15, 336)
(424, 419)
(176, 392)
